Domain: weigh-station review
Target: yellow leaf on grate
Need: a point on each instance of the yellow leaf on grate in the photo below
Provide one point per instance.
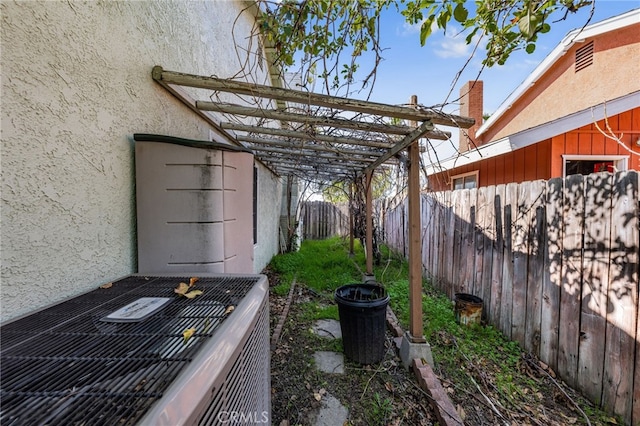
(192, 294)
(188, 333)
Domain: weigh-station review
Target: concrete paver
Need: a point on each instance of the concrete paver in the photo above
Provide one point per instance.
(328, 328)
(329, 362)
(331, 413)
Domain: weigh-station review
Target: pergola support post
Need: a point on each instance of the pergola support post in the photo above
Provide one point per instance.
(415, 247)
(369, 221)
(414, 344)
(351, 230)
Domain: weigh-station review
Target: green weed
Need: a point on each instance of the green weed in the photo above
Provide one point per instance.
(380, 410)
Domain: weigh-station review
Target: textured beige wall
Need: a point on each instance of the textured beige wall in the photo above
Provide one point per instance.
(269, 200)
(76, 84)
(562, 91)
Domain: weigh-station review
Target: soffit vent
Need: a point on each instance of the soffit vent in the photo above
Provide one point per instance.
(584, 56)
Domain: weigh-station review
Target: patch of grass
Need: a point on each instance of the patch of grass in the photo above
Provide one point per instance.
(332, 345)
(281, 289)
(312, 311)
(320, 265)
(459, 351)
(380, 408)
(325, 266)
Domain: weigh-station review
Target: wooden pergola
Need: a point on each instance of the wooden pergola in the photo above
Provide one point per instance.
(322, 138)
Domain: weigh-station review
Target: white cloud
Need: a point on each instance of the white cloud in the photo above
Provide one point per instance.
(410, 30)
(454, 44)
(452, 47)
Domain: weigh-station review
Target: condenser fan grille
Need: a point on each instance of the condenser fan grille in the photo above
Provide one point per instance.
(67, 365)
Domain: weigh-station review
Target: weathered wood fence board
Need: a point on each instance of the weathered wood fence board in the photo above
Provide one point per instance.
(621, 320)
(570, 296)
(322, 220)
(494, 250)
(552, 275)
(595, 283)
(556, 264)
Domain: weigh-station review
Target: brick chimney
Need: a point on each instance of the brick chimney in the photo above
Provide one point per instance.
(471, 99)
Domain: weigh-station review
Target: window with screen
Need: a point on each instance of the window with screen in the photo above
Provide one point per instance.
(465, 181)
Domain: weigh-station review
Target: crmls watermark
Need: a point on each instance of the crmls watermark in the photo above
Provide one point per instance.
(241, 418)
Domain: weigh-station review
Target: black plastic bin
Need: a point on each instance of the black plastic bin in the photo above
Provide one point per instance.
(362, 309)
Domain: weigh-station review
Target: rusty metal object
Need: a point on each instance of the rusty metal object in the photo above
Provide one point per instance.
(468, 309)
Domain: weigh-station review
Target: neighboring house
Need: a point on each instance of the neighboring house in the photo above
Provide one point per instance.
(546, 127)
(76, 85)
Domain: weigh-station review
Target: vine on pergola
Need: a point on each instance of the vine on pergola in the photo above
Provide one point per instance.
(329, 38)
(332, 42)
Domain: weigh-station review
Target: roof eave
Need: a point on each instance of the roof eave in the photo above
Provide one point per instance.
(629, 18)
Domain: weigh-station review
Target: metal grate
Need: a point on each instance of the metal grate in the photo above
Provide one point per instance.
(64, 365)
(234, 400)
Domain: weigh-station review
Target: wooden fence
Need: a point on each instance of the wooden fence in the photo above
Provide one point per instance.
(556, 264)
(322, 220)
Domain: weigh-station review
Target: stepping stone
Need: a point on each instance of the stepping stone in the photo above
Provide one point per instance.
(329, 362)
(327, 328)
(331, 413)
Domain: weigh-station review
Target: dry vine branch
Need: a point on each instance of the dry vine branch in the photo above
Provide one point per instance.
(566, 395)
(609, 133)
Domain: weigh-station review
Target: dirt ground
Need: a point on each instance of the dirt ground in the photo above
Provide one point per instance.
(388, 394)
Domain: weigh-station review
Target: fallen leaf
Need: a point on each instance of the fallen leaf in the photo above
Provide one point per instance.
(461, 412)
(192, 281)
(388, 386)
(140, 385)
(107, 285)
(318, 395)
(229, 309)
(192, 294)
(188, 333)
(181, 289)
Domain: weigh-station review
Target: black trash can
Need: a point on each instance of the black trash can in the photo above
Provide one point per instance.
(362, 310)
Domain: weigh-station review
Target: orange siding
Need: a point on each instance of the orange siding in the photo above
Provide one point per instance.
(554, 94)
(518, 166)
(544, 159)
(500, 169)
(571, 143)
(634, 161)
(492, 171)
(530, 162)
(508, 167)
(584, 143)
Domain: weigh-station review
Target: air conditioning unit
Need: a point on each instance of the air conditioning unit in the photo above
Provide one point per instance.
(119, 355)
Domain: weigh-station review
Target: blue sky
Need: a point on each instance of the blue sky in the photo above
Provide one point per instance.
(428, 71)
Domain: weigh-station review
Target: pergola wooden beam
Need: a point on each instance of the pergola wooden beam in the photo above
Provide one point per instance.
(306, 98)
(307, 136)
(312, 120)
(305, 173)
(291, 146)
(310, 153)
(408, 140)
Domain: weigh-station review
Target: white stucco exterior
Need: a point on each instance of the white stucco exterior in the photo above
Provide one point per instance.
(76, 84)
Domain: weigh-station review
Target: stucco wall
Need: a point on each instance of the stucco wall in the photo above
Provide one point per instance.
(562, 91)
(76, 84)
(269, 200)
